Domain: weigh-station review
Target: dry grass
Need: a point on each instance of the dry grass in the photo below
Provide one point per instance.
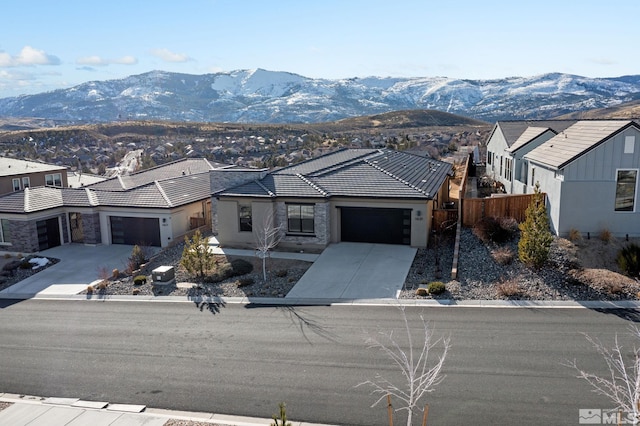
(509, 288)
(605, 235)
(574, 235)
(503, 255)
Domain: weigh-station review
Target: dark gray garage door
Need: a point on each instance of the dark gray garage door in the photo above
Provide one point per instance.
(375, 225)
(135, 230)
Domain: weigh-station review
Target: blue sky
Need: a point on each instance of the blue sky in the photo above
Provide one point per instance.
(47, 45)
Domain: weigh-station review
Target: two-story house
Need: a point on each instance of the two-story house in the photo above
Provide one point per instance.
(16, 175)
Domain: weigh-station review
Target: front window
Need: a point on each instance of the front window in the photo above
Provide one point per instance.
(26, 183)
(626, 190)
(16, 184)
(244, 214)
(300, 218)
(5, 233)
(54, 179)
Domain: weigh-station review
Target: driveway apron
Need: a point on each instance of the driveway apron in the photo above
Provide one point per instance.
(356, 271)
(78, 267)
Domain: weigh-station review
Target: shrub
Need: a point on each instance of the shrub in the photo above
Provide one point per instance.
(508, 289)
(103, 285)
(7, 256)
(115, 274)
(628, 259)
(90, 289)
(281, 273)
(422, 292)
(25, 265)
(241, 267)
(136, 291)
(494, 229)
(436, 287)
(243, 282)
(139, 280)
(535, 238)
(605, 235)
(138, 257)
(503, 255)
(196, 257)
(574, 235)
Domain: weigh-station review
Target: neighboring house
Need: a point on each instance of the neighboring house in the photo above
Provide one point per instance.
(359, 195)
(16, 175)
(589, 172)
(509, 141)
(155, 207)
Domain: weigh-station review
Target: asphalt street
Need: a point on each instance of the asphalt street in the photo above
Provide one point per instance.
(504, 367)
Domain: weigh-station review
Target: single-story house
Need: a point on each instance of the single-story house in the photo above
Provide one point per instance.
(359, 195)
(589, 172)
(507, 144)
(154, 207)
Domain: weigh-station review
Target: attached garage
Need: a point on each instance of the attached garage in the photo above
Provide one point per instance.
(135, 230)
(375, 225)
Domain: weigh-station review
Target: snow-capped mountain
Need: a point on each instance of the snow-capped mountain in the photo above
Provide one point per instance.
(261, 96)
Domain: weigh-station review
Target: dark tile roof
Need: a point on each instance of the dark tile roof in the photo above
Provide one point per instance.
(352, 173)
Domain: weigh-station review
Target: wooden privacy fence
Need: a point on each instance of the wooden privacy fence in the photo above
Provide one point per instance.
(474, 209)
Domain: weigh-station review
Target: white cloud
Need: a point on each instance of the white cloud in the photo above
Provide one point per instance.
(98, 61)
(28, 56)
(169, 56)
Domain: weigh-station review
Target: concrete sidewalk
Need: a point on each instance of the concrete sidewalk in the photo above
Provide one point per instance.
(35, 411)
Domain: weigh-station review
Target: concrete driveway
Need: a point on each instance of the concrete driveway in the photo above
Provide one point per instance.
(78, 267)
(356, 271)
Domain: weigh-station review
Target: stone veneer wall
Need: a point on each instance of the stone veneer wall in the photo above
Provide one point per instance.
(91, 228)
(65, 229)
(322, 235)
(24, 236)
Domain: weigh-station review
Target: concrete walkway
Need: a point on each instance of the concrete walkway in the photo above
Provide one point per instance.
(35, 411)
(356, 271)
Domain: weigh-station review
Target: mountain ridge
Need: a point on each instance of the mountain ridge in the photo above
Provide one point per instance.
(262, 96)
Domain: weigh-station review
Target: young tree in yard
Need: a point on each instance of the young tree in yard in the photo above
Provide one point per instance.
(197, 259)
(535, 237)
(267, 236)
(621, 383)
(421, 371)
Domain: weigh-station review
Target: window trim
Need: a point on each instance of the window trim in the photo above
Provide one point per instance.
(301, 218)
(52, 178)
(635, 191)
(3, 241)
(26, 182)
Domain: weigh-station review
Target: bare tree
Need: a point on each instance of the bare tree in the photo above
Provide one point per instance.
(267, 236)
(414, 362)
(622, 382)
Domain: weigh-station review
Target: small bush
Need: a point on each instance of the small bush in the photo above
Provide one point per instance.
(139, 280)
(508, 289)
(243, 282)
(136, 291)
(138, 257)
(7, 256)
(628, 260)
(115, 274)
(422, 292)
(574, 235)
(503, 255)
(605, 235)
(241, 267)
(281, 273)
(90, 289)
(615, 288)
(436, 287)
(103, 285)
(494, 229)
(25, 265)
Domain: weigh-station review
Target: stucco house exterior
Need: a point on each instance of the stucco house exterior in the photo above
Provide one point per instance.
(16, 175)
(154, 207)
(589, 172)
(359, 195)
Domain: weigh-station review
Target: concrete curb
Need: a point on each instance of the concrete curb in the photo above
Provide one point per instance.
(280, 301)
(140, 411)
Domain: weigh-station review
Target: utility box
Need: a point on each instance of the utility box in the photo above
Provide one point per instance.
(163, 275)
